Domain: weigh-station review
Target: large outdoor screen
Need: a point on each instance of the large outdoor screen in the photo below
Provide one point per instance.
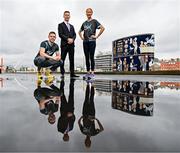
(134, 53)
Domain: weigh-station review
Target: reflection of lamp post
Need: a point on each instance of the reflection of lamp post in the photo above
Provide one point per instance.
(1, 82)
(83, 65)
(1, 65)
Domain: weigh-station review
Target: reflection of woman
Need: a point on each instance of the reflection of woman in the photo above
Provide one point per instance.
(88, 120)
(48, 99)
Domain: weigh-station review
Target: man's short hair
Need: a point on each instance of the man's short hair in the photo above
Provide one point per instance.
(89, 9)
(66, 12)
(52, 32)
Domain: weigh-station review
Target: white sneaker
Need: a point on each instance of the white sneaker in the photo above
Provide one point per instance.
(86, 76)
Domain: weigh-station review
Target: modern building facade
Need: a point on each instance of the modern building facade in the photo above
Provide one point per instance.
(103, 62)
(170, 65)
(133, 53)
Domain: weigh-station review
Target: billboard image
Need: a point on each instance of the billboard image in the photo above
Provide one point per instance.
(134, 53)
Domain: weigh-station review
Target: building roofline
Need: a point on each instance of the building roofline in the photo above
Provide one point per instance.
(134, 36)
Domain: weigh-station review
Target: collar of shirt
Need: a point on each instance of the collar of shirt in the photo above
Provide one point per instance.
(88, 20)
(67, 23)
(67, 129)
(51, 44)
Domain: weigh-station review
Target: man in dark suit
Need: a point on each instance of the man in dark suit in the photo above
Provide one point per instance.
(67, 34)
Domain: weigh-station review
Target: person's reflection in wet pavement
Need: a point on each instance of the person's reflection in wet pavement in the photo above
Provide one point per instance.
(48, 99)
(88, 120)
(67, 117)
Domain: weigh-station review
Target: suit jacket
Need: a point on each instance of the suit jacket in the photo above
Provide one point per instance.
(64, 33)
(64, 120)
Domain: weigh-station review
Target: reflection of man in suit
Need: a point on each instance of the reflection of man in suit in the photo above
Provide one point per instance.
(48, 100)
(87, 121)
(67, 117)
(67, 34)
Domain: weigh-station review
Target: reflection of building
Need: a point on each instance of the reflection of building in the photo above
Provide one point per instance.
(134, 53)
(103, 85)
(133, 97)
(170, 65)
(171, 85)
(103, 63)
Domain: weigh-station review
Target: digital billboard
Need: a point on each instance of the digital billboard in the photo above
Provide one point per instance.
(134, 53)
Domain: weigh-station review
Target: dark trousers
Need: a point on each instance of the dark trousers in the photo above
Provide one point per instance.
(41, 62)
(88, 106)
(70, 50)
(89, 50)
(67, 106)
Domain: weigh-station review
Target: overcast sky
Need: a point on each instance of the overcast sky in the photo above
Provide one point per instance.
(26, 23)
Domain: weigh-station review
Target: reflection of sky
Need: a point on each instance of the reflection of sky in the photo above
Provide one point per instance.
(169, 92)
(24, 128)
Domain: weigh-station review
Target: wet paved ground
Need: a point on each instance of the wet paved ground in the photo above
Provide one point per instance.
(113, 113)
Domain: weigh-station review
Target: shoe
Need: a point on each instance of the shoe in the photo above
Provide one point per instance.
(74, 76)
(53, 69)
(62, 76)
(49, 81)
(39, 81)
(89, 81)
(92, 76)
(39, 75)
(48, 73)
(86, 76)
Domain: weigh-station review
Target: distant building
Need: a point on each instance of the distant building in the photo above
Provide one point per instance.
(31, 69)
(10, 69)
(155, 67)
(103, 62)
(170, 65)
(79, 69)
